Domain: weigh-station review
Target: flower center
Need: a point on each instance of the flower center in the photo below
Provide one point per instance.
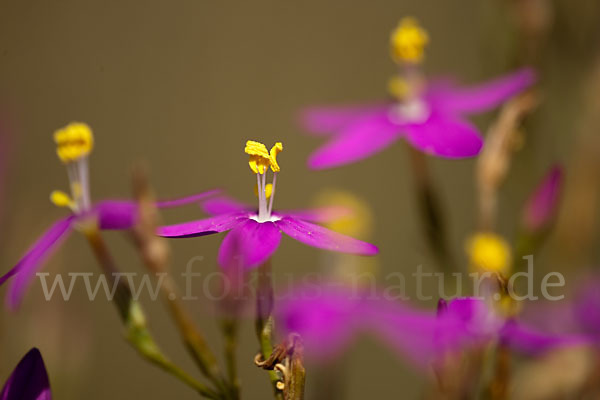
(260, 161)
(488, 252)
(74, 143)
(413, 110)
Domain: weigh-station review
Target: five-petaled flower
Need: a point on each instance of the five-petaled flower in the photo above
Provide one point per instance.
(29, 380)
(255, 234)
(427, 115)
(74, 143)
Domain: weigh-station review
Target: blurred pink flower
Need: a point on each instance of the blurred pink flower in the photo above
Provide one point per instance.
(329, 318)
(431, 122)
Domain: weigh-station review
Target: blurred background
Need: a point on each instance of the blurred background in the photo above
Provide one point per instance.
(181, 86)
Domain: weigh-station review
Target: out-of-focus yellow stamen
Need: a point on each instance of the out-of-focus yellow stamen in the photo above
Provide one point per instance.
(408, 41)
(61, 199)
(489, 252)
(268, 190)
(278, 148)
(398, 87)
(73, 142)
(261, 159)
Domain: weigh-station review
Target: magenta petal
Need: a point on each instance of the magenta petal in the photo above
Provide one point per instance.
(445, 137)
(220, 223)
(323, 238)
(412, 333)
(29, 380)
(224, 205)
(251, 242)
(328, 120)
(359, 140)
(34, 259)
(195, 198)
(322, 214)
(530, 341)
(116, 214)
(122, 214)
(485, 96)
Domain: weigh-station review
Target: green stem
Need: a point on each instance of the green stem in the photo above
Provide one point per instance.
(139, 337)
(430, 211)
(134, 319)
(192, 337)
(230, 327)
(264, 319)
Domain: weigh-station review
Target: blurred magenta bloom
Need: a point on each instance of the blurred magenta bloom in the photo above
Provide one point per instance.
(107, 214)
(29, 380)
(579, 315)
(431, 121)
(587, 309)
(255, 239)
(328, 319)
(541, 207)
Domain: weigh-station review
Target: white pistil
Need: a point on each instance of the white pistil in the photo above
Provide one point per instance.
(414, 110)
(78, 174)
(265, 208)
(411, 107)
(261, 197)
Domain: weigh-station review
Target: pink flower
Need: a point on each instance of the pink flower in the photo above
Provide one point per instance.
(430, 116)
(255, 234)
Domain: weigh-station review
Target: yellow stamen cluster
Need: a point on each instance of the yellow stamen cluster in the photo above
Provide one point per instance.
(489, 252)
(261, 159)
(408, 41)
(73, 142)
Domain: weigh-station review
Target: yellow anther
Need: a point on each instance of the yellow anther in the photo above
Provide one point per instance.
(260, 159)
(61, 199)
(408, 41)
(489, 252)
(73, 142)
(256, 149)
(268, 190)
(398, 87)
(278, 148)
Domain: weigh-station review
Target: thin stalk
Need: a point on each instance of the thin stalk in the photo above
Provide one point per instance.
(500, 381)
(155, 254)
(264, 319)
(191, 336)
(430, 210)
(134, 319)
(230, 327)
(270, 209)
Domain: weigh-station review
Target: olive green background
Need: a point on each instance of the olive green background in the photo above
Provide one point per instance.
(180, 86)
